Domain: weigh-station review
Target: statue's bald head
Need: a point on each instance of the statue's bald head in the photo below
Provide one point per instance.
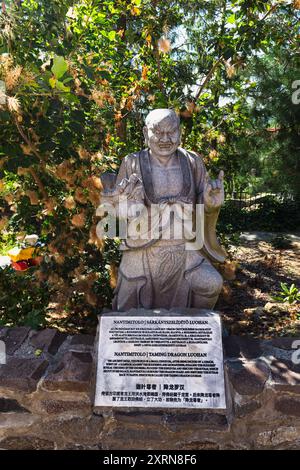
(158, 115)
(162, 132)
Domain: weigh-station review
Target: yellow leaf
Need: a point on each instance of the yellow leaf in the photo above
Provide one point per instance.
(19, 254)
(296, 4)
(52, 82)
(135, 11)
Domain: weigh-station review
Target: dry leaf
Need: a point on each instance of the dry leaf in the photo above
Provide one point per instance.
(164, 45)
(78, 220)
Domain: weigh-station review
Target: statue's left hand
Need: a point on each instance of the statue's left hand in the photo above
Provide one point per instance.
(214, 192)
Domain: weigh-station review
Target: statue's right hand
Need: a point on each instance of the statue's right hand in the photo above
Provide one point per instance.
(137, 193)
(132, 188)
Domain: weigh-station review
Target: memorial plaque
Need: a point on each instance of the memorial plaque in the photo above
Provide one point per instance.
(170, 361)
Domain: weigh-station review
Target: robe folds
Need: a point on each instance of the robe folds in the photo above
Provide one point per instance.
(161, 273)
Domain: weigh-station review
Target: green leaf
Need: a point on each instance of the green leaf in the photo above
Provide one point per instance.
(111, 35)
(71, 98)
(231, 19)
(112, 9)
(67, 80)
(52, 82)
(60, 86)
(59, 66)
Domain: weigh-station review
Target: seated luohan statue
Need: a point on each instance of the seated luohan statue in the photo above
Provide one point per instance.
(159, 271)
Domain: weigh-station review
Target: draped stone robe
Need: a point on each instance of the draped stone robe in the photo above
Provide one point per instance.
(161, 273)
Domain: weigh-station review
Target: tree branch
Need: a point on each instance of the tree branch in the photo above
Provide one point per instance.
(28, 142)
(273, 8)
(38, 183)
(160, 82)
(207, 78)
(31, 170)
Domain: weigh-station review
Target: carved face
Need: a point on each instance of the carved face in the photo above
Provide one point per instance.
(163, 137)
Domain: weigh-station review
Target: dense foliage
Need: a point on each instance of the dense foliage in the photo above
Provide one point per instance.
(78, 78)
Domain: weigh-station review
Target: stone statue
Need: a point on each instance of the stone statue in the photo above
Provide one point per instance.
(160, 272)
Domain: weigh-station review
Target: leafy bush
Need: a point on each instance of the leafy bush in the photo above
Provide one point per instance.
(271, 215)
(290, 294)
(281, 242)
(23, 300)
(274, 215)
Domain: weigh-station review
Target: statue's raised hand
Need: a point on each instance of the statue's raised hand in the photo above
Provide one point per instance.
(214, 192)
(132, 188)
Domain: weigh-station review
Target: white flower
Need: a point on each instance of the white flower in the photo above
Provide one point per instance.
(13, 104)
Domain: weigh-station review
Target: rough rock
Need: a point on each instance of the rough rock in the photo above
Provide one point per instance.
(72, 373)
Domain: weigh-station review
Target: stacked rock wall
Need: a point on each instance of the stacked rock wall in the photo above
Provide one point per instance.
(47, 387)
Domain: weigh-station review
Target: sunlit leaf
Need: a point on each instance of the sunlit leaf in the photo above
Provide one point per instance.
(59, 66)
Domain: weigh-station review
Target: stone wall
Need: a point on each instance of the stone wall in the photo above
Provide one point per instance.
(46, 395)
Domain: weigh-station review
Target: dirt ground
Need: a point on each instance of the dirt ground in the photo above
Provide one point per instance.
(254, 275)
